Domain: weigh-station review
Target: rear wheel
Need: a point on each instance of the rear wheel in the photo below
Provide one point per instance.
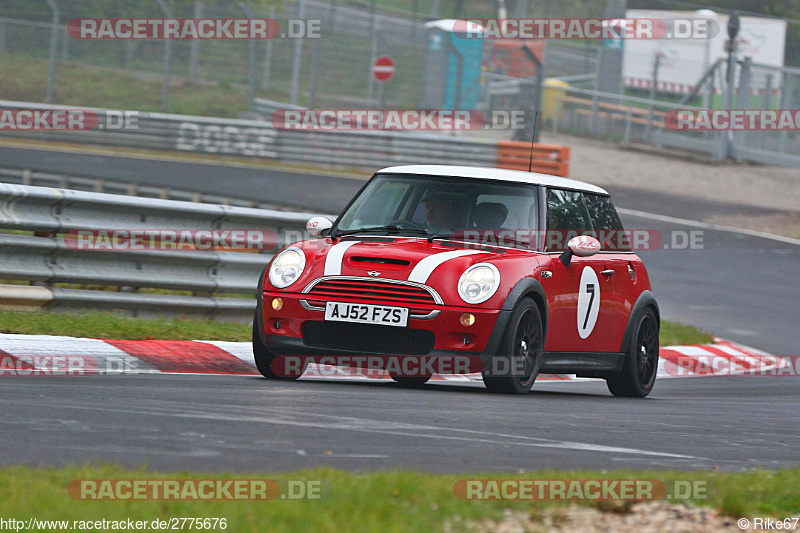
(519, 356)
(638, 375)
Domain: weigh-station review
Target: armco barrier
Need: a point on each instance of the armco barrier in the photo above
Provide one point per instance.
(44, 258)
(159, 131)
(187, 193)
(376, 149)
(547, 158)
(259, 139)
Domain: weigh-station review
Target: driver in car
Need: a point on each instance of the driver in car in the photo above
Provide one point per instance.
(440, 212)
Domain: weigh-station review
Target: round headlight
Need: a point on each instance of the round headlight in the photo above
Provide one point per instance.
(478, 283)
(287, 267)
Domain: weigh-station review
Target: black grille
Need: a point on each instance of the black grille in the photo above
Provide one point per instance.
(367, 338)
(371, 291)
(380, 260)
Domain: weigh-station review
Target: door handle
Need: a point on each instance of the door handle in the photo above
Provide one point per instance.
(608, 272)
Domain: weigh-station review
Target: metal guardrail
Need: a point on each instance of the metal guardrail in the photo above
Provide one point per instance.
(94, 184)
(375, 149)
(628, 118)
(45, 259)
(265, 108)
(257, 139)
(370, 149)
(159, 131)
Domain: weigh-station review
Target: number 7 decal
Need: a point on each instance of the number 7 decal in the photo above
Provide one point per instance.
(590, 290)
(588, 302)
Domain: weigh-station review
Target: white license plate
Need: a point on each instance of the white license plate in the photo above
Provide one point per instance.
(366, 314)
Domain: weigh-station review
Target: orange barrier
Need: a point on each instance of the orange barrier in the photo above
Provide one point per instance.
(547, 158)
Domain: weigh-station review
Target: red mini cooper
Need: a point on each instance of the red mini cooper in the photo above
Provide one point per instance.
(528, 270)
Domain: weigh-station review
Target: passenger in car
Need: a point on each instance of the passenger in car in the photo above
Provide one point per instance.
(490, 215)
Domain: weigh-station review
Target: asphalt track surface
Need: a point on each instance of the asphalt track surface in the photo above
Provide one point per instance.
(318, 192)
(244, 423)
(739, 287)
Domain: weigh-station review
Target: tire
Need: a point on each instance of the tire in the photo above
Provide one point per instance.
(263, 356)
(411, 381)
(639, 370)
(521, 347)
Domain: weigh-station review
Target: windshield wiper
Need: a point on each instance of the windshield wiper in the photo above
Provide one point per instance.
(512, 243)
(432, 236)
(501, 243)
(389, 228)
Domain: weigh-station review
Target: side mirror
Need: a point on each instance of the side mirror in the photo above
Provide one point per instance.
(582, 246)
(317, 225)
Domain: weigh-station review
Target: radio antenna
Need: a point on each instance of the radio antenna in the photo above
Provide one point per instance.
(533, 138)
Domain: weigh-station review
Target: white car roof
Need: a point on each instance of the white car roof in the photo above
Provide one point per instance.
(498, 174)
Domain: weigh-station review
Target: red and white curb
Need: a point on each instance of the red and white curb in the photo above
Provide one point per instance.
(44, 354)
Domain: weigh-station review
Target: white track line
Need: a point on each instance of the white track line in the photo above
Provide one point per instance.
(706, 225)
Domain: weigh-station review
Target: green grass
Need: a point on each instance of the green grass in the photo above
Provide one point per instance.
(672, 334)
(25, 79)
(376, 501)
(94, 80)
(112, 326)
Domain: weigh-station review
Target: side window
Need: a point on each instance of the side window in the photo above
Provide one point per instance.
(567, 217)
(606, 223)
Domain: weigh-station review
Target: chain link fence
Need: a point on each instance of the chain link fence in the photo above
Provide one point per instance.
(228, 77)
(330, 71)
(215, 77)
(767, 87)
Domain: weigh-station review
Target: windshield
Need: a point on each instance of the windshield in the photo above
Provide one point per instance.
(443, 206)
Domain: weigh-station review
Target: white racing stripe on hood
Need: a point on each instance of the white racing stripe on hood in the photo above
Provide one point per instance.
(425, 268)
(335, 256)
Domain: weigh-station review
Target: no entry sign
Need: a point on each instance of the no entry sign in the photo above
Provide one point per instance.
(383, 68)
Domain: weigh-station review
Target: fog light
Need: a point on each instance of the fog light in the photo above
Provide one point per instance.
(277, 324)
(277, 304)
(467, 319)
(467, 340)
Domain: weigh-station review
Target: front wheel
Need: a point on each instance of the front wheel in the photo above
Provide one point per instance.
(638, 374)
(519, 357)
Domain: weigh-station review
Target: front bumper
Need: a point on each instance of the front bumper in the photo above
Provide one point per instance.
(299, 328)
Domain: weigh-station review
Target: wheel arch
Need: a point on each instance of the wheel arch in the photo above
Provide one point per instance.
(528, 287)
(258, 318)
(645, 301)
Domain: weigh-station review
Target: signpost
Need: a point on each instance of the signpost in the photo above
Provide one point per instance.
(382, 71)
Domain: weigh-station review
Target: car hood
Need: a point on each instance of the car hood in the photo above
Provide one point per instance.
(400, 258)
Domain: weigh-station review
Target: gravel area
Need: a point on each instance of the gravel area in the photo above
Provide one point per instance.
(646, 517)
(604, 163)
(783, 224)
(674, 173)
